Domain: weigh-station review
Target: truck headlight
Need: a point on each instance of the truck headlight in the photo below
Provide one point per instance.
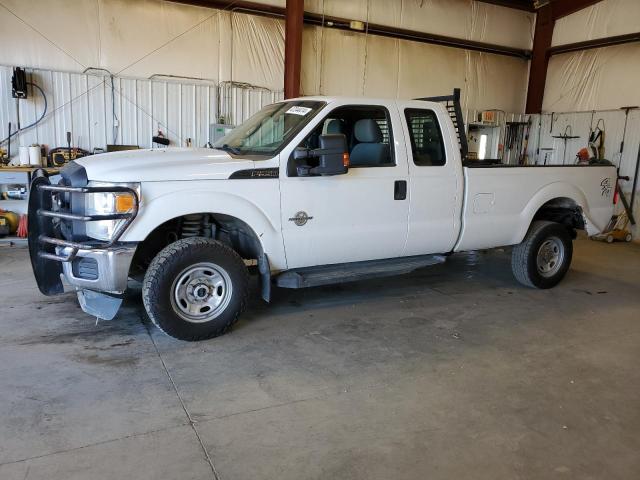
(108, 203)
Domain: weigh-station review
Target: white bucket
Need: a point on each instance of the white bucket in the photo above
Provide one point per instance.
(34, 156)
(24, 156)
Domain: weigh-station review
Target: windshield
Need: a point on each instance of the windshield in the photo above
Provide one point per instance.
(270, 129)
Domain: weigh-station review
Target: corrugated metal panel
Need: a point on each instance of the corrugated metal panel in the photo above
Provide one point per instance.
(580, 124)
(129, 111)
(239, 101)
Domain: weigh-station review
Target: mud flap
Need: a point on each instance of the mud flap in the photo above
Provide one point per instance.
(265, 277)
(47, 272)
(98, 304)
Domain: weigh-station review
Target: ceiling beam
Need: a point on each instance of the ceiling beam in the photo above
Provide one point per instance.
(416, 36)
(562, 8)
(241, 6)
(525, 5)
(595, 43)
(340, 23)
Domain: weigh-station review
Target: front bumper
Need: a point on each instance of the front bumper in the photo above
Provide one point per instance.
(104, 270)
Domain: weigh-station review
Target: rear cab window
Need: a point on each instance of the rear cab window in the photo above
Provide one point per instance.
(427, 146)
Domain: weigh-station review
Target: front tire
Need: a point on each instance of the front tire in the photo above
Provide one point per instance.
(544, 256)
(195, 289)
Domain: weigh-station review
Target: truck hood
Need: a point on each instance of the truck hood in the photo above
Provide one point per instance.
(162, 164)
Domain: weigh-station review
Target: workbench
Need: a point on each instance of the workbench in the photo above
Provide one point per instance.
(21, 175)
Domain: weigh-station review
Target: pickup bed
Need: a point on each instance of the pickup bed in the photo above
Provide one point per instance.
(309, 191)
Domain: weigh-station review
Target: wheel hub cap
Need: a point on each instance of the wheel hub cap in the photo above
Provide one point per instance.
(550, 257)
(201, 292)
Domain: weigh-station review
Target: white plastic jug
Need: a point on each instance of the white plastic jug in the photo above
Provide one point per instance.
(34, 156)
(24, 156)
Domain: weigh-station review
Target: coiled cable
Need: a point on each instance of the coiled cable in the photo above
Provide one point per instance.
(44, 112)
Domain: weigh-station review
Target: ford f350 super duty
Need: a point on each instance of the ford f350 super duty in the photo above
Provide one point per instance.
(308, 191)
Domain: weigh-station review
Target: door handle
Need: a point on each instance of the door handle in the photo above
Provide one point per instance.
(400, 190)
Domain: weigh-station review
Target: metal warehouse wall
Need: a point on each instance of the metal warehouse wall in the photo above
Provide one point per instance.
(586, 86)
(129, 113)
(598, 79)
(140, 38)
(547, 126)
(339, 62)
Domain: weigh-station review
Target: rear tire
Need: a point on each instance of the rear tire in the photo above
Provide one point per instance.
(195, 289)
(544, 256)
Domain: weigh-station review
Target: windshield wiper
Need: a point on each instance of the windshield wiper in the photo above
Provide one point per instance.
(228, 148)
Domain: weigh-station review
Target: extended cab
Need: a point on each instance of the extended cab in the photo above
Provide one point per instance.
(308, 191)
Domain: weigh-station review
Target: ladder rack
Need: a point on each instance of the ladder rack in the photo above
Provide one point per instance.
(452, 104)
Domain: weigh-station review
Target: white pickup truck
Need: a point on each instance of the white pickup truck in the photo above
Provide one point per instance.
(308, 191)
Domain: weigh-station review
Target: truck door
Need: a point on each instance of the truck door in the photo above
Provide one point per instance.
(361, 215)
(435, 178)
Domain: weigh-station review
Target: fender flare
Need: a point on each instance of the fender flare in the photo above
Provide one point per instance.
(160, 209)
(545, 194)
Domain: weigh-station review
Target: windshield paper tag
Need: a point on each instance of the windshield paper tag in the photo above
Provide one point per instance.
(298, 110)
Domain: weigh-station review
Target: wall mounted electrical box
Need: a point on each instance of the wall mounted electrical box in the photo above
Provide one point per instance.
(218, 130)
(19, 83)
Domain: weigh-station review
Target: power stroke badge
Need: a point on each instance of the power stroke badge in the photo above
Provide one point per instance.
(300, 218)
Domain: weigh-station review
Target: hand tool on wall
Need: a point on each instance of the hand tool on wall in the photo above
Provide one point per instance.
(538, 139)
(596, 140)
(514, 136)
(547, 151)
(624, 132)
(628, 206)
(524, 157)
(553, 118)
(568, 134)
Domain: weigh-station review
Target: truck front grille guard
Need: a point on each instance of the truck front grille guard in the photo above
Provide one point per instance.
(70, 216)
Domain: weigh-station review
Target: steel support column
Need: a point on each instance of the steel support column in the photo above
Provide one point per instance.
(545, 21)
(294, 17)
(539, 59)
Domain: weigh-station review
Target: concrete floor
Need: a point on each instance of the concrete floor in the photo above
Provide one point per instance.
(453, 372)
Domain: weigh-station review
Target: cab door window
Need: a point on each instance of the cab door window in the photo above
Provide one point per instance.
(368, 132)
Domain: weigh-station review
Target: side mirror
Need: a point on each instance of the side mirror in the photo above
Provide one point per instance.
(333, 154)
(300, 153)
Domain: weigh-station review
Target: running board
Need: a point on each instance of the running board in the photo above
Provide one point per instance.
(351, 272)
